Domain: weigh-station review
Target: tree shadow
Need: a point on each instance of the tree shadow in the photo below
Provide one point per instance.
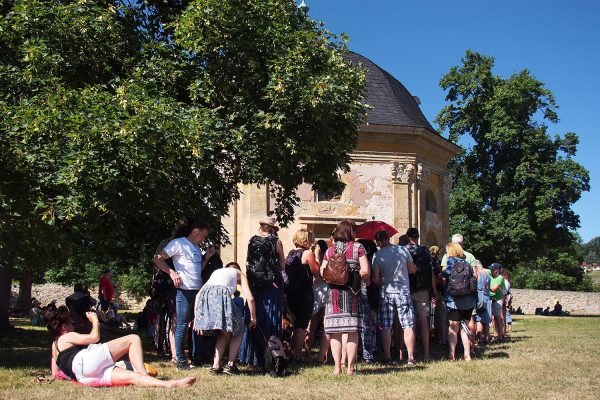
(25, 348)
(516, 339)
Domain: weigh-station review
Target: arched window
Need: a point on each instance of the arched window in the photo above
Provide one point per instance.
(430, 202)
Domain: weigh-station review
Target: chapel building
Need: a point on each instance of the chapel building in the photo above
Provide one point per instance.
(398, 174)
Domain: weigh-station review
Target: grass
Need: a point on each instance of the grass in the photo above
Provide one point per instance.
(546, 357)
(595, 275)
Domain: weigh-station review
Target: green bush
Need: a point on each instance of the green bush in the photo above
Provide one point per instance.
(76, 270)
(136, 280)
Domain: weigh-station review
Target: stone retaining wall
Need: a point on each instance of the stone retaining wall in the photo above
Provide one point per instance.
(50, 291)
(581, 303)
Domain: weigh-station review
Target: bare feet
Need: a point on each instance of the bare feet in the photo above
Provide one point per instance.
(337, 370)
(180, 383)
(351, 371)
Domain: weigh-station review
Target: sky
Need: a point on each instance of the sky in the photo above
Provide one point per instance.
(558, 41)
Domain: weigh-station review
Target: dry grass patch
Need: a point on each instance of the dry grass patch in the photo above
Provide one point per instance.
(547, 357)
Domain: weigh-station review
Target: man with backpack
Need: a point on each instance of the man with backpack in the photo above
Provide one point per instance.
(422, 286)
(391, 266)
(265, 262)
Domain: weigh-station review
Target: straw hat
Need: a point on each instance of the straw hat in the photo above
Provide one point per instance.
(271, 221)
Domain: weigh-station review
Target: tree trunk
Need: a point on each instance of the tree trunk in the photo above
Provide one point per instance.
(7, 261)
(24, 303)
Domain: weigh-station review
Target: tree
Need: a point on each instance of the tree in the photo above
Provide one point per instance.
(113, 128)
(515, 186)
(592, 250)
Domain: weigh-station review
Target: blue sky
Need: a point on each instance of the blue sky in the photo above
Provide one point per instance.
(558, 41)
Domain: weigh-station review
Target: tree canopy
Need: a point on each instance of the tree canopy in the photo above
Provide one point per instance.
(592, 250)
(514, 187)
(120, 117)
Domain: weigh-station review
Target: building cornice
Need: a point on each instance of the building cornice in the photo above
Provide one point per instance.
(406, 134)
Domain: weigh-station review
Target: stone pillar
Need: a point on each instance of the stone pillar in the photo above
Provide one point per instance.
(402, 178)
(421, 180)
(446, 188)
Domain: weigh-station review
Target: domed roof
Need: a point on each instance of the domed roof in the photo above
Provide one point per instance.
(392, 103)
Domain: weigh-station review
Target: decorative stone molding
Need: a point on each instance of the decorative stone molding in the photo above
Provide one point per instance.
(402, 172)
(446, 185)
(423, 172)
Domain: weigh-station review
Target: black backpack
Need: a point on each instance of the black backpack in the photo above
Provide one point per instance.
(421, 280)
(262, 262)
(461, 281)
(161, 282)
(276, 360)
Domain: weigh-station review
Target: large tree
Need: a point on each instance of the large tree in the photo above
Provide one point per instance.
(515, 183)
(118, 118)
(592, 250)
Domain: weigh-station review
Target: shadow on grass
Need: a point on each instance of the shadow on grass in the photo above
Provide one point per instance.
(387, 369)
(25, 348)
(28, 346)
(495, 354)
(514, 339)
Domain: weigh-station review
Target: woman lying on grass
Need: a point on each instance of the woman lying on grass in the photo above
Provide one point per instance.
(80, 357)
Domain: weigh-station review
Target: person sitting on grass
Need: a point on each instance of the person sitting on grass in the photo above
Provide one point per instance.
(80, 357)
(217, 313)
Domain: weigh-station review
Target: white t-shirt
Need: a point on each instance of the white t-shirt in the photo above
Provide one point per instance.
(224, 277)
(187, 260)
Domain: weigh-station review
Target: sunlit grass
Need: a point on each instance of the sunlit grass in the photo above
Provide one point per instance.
(547, 357)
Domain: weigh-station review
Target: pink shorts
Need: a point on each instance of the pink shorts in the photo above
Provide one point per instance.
(93, 366)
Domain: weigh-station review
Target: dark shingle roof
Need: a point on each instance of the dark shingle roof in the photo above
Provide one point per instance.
(392, 103)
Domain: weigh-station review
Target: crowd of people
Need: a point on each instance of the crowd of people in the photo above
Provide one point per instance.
(359, 297)
(392, 295)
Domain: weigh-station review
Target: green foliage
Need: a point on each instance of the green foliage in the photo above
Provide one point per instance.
(514, 188)
(137, 279)
(591, 250)
(78, 270)
(117, 118)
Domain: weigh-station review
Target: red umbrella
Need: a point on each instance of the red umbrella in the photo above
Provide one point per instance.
(370, 228)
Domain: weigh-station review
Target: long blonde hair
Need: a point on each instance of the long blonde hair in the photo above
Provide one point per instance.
(455, 250)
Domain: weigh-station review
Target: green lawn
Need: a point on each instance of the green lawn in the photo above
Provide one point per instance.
(547, 357)
(595, 275)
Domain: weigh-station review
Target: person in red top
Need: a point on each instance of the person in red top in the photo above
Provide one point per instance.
(106, 290)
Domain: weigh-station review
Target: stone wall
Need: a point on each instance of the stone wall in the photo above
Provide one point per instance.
(581, 303)
(50, 291)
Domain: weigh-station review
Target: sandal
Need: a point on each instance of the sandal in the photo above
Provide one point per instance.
(411, 363)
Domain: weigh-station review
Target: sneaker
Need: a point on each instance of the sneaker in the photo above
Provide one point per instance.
(231, 370)
(215, 371)
(183, 366)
